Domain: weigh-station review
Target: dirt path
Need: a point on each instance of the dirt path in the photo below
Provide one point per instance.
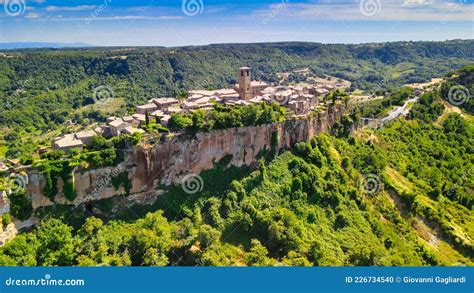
(452, 109)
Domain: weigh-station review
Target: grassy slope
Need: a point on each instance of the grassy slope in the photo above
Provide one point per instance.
(459, 219)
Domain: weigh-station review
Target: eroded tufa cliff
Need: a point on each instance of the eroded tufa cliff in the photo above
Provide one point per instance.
(166, 162)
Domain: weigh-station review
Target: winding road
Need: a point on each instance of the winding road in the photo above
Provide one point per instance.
(400, 110)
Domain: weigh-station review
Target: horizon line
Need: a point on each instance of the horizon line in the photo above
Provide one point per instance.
(93, 46)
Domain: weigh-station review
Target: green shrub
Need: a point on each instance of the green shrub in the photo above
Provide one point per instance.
(6, 219)
(20, 205)
(122, 180)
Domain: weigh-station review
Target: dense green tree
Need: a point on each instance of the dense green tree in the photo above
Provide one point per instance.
(258, 255)
(56, 244)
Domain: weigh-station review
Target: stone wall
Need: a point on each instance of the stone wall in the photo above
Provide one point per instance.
(166, 162)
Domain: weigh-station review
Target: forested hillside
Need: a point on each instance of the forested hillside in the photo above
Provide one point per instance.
(401, 195)
(68, 76)
(397, 196)
(459, 88)
(40, 89)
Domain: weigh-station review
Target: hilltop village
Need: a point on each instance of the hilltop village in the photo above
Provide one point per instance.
(300, 99)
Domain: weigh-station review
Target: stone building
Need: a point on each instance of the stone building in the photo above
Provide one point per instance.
(147, 108)
(117, 126)
(67, 142)
(247, 88)
(86, 136)
(165, 103)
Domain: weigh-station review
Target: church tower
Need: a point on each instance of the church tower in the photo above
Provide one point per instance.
(245, 80)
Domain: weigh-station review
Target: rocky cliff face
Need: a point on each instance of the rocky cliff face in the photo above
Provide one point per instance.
(167, 162)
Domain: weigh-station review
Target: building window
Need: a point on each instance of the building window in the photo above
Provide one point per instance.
(242, 73)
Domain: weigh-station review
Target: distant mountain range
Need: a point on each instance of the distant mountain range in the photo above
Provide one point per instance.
(27, 45)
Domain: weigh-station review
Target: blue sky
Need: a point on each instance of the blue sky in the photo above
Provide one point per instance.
(198, 22)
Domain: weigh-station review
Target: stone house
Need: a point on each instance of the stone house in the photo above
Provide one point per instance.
(117, 126)
(86, 136)
(67, 142)
(165, 103)
(147, 108)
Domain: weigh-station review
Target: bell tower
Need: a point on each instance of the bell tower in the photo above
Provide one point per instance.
(245, 80)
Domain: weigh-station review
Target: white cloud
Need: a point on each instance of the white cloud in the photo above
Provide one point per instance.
(70, 8)
(33, 15)
(417, 2)
(391, 10)
(123, 17)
